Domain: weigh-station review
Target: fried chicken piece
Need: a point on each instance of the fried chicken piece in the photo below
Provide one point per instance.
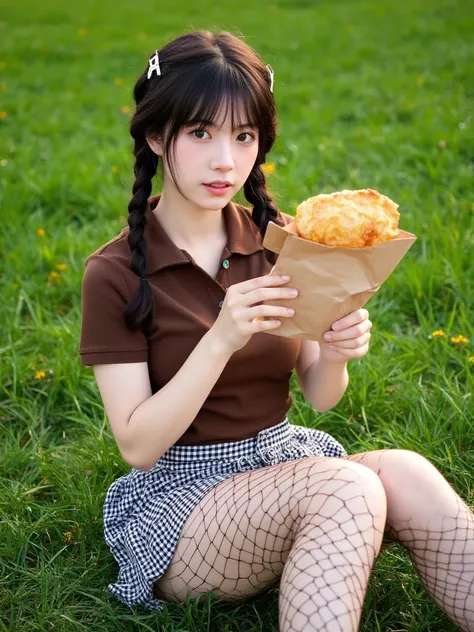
(354, 219)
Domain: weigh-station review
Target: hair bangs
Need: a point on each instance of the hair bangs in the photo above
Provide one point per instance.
(208, 98)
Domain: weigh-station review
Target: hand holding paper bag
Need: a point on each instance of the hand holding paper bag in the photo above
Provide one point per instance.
(332, 281)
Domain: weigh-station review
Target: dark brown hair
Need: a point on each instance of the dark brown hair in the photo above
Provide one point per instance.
(199, 72)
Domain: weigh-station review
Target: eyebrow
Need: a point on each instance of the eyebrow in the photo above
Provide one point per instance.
(205, 123)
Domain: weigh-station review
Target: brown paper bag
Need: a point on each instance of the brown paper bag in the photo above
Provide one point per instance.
(332, 281)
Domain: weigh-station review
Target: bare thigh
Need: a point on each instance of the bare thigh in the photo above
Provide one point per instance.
(238, 538)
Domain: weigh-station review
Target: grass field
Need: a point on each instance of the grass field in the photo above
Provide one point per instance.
(370, 94)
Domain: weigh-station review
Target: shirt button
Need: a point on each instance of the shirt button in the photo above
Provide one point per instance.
(221, 303)
(225, 263)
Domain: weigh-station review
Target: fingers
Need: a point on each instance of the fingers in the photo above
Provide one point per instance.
(349, 334)
(266, 312)
(259, 282)
(353, 343)
(352, 319)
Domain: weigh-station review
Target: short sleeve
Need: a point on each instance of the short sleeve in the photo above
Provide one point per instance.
(105, 338)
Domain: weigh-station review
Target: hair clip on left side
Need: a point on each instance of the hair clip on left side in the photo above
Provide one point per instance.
(154, 64)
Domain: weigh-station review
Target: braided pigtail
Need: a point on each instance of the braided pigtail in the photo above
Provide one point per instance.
(188, 81)
(139, 311)
(264, 208)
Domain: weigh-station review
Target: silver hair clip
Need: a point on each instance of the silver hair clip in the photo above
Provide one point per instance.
(154, 64)
(272, 74)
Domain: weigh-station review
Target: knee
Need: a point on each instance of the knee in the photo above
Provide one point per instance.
(370, 483)
(352, 483)
(407, 466)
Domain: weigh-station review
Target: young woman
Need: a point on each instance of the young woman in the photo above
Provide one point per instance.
(224, 492)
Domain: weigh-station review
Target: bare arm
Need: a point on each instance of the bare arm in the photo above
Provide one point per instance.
(161, 420)
(324, 384)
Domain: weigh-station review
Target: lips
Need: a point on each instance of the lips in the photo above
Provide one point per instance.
(218, 183)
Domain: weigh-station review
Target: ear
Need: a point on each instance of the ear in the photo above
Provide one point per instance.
(155, 145)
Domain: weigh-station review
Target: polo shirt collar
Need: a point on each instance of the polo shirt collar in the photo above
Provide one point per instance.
(243, 237)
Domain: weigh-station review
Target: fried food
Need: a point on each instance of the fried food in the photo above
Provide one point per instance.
(353, 219)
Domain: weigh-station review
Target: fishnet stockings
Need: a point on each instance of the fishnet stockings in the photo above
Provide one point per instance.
(427, 516)
(314, 524)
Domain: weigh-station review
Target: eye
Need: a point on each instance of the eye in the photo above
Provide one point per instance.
(252, 136)
(199, 131)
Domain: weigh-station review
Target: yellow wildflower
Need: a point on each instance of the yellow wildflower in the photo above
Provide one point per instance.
(114, 169)
(459, 339)
(470, 359)
(68, 537)
(4, 162)
(82, 31)
(39, 375)
(40, 232)
(125, 109)
(438, 333)
(3, 115)
(62, 266)
(118, 81)
(54, 276)
(2, 65)
(268, 167)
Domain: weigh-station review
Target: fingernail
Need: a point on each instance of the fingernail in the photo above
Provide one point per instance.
(327, 337)
(285, 277)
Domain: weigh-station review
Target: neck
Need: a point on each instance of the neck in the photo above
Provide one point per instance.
(188, 225)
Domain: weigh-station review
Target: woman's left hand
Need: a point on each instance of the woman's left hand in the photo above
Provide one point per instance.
(349, 338)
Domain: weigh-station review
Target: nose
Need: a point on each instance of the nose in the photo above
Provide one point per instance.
(222, 157)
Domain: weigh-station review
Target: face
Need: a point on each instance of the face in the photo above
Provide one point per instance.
(208, 153)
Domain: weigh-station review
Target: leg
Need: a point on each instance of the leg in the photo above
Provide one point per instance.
(316, 522)
(429, 518)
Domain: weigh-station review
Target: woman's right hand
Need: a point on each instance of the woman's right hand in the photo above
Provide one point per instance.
(237, 322)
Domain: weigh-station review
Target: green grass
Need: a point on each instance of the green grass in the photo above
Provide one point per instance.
(369, 94)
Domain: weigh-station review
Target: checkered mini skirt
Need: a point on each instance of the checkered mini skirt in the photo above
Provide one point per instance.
(144, 512)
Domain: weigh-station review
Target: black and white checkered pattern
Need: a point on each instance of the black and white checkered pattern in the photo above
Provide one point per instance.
(144, 512)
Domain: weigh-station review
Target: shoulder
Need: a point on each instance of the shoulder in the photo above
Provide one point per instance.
(286, 218)
(103, 278)
(116, 249)
(282, 218)
(110, 264)
(105, 267)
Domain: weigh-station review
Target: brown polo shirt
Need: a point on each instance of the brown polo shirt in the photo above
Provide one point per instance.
(253, 391)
